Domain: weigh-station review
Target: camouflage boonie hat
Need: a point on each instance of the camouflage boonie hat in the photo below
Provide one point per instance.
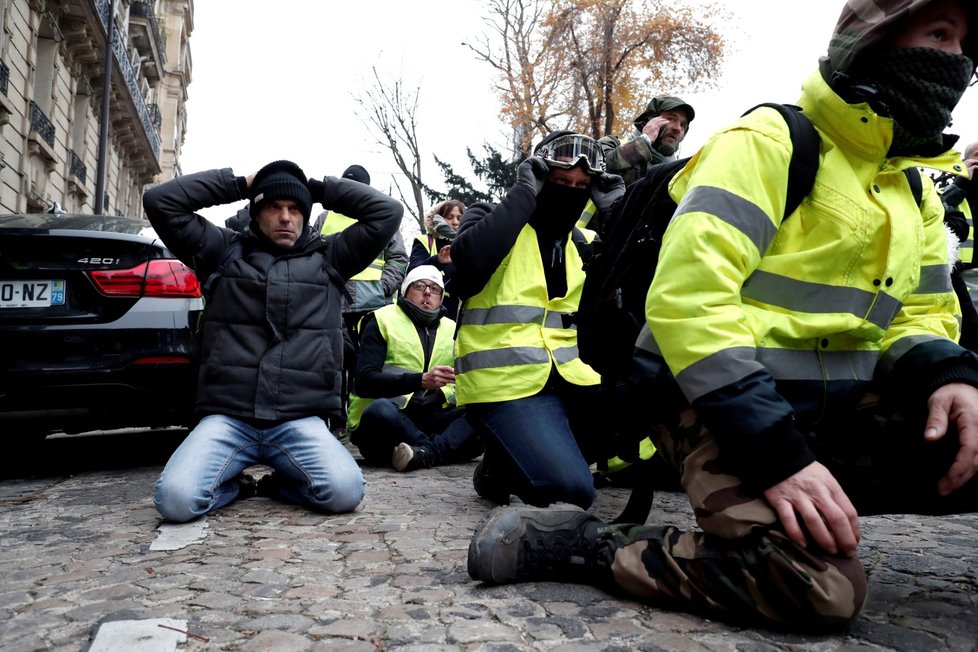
(661, 103)
(864, 23)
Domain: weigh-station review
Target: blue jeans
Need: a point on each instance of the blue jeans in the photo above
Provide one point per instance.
(313, 468)
(531, 441)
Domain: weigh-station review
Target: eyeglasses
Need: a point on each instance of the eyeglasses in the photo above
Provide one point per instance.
(570, 151)
(421, 286)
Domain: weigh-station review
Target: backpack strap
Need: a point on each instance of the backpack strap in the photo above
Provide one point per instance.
(916, 185)
(805, 144)
(232, 253)
(804, 157)
(579, 240)
(584, 249)
(331, 272)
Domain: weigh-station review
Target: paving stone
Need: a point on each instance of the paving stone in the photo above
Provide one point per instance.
(276, 641)
(270, 576)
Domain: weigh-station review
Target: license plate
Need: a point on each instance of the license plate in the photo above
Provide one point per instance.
(32, 294)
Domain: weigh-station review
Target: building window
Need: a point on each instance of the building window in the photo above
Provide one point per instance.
(44, 70)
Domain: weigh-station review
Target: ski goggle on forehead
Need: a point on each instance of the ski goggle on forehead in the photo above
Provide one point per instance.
(572, 150)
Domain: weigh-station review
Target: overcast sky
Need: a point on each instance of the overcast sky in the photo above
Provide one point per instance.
(277, 80)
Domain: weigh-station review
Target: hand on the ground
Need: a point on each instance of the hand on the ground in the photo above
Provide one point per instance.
(815, 495)
(606, 189)
(437, 377)
(654, 126)
(959, 403)
(532, 173)
(445, 255)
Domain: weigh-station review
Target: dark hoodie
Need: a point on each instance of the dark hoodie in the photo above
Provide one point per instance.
(490, 231)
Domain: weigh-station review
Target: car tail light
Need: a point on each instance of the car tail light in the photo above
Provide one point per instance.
(156, 278)
(169, 359)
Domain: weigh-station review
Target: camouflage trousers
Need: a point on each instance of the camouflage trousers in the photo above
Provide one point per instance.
(740, 566)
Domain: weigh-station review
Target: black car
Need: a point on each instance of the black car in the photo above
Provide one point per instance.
(97, 326)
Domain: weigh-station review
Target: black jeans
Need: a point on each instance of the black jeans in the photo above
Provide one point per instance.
(446, 433)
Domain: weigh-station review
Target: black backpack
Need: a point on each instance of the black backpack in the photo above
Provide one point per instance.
(621, 267)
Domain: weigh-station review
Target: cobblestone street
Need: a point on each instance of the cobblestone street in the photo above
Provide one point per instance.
(82, 557)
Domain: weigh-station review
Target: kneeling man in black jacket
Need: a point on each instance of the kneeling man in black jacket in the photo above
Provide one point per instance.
(271, 342)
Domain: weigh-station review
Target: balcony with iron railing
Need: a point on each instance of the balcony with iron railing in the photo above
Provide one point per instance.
(147, 36)
(104, 7)
(4, 77)
(41, 124)
(76, 167)
(144, 9)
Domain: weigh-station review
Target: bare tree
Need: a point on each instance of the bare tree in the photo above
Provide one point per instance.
(579, 64)
(390, 112)
(618, 49)
(530, 73)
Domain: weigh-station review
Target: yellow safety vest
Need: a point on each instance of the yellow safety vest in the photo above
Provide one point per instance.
(836, 293)
(405, 353)
(966, 251)
(590, 209)
(511, 334)
(336, 222)
(428, 241)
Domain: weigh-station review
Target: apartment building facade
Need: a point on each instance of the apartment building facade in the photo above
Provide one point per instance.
(53, 72)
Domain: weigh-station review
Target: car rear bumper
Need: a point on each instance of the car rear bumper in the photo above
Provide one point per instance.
(88, 377)
(72, 401)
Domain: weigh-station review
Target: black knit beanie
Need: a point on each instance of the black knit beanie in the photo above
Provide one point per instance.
(357, 173)
(280, 180)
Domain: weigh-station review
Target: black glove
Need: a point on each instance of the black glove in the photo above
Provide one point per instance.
(532, 173)
(606, 189)
(316, 188)
(957, 222)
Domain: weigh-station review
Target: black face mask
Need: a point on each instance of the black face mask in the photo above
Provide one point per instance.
(418, 314)
(918, 88)
(558, 209)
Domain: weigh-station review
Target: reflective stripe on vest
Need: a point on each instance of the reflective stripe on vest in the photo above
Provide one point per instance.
(730, 365)
(405, 354)
(336, 222)
(511, 334)
(878, 308)
(646, 449)
(966, 251)
(590, 208)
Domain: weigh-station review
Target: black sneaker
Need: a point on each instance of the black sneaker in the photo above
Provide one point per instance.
(268, 485)
(488, 484)
(265, 486)
(519, 544)
(412, 458)
(247, 487)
